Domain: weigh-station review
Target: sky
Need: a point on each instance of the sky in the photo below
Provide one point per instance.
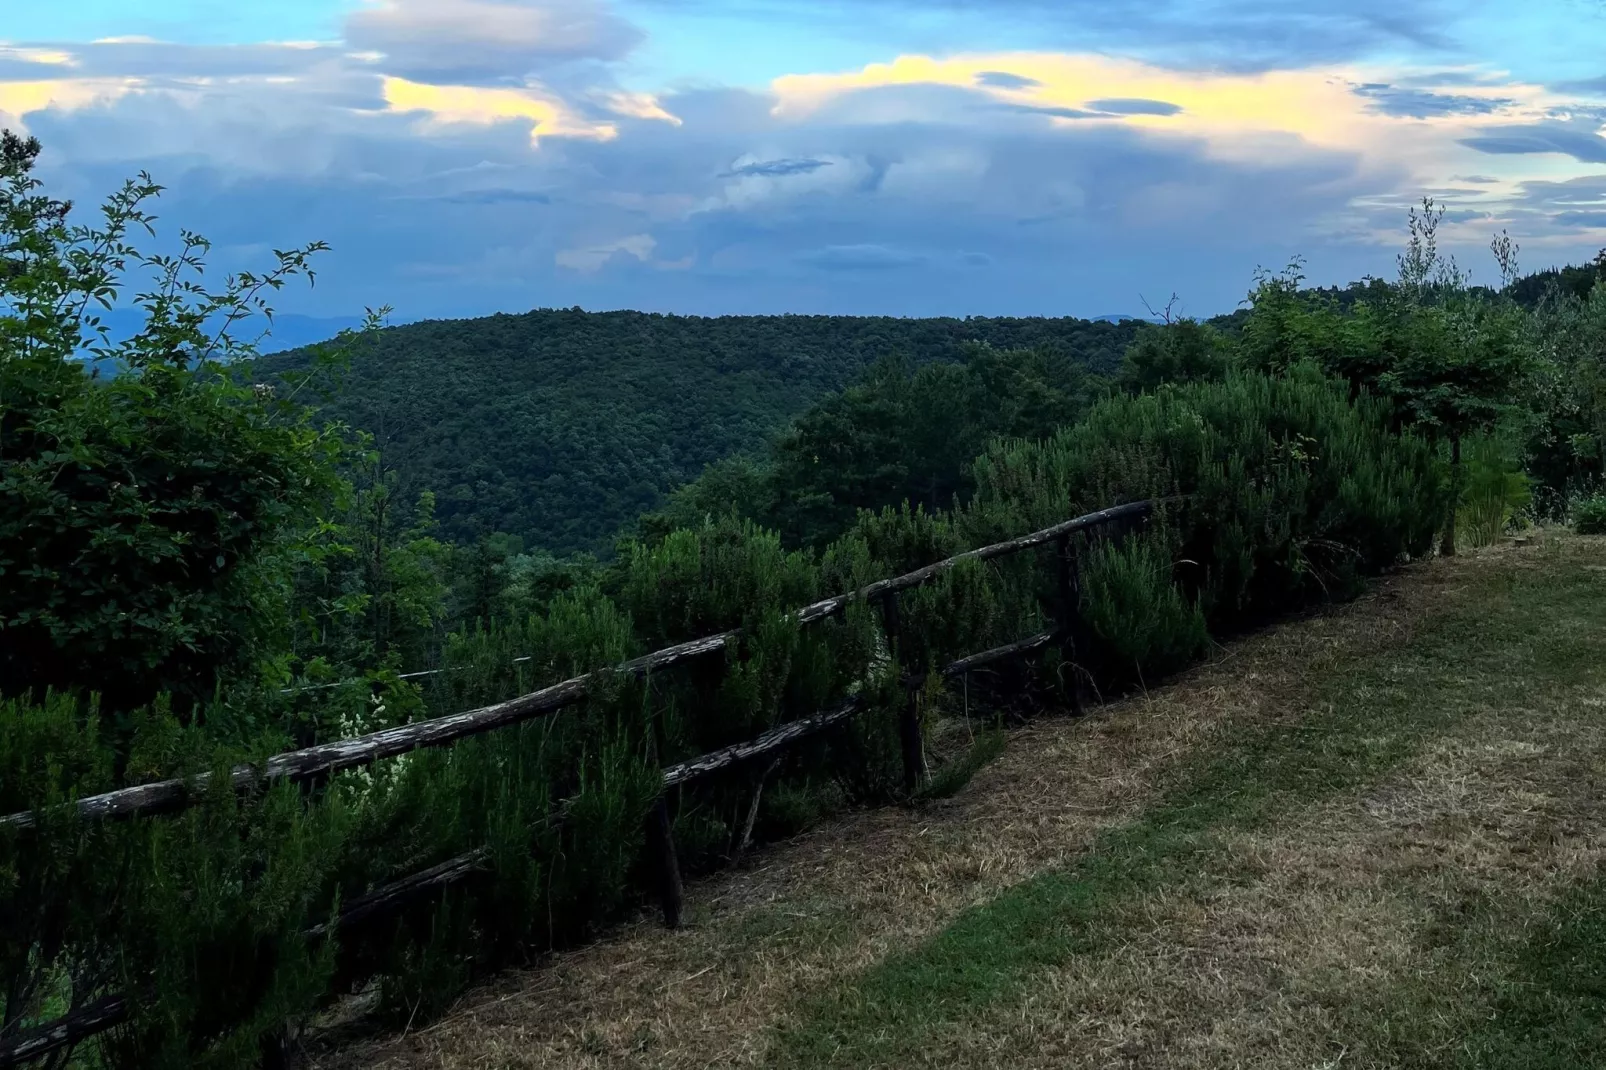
(897, 157)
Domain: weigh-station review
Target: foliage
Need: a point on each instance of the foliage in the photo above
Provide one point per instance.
(1567, 439)
(1286, 492)
(1451, 361)
(1177, 352)
(1495, 492)
(562, 426)
(900, 433)
(1589, 516)
(236, 576)
(139, 517)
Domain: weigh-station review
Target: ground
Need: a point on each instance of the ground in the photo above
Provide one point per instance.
(1373, 837)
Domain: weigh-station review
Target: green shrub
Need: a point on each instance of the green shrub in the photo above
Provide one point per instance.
(1284, 491)
(1589, 516)
(1494, 490)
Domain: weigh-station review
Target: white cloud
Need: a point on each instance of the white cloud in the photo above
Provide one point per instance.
(592, 258)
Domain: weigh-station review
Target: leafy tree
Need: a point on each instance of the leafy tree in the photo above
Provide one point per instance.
(1458, 362)
(900, 433)
(1181, 351)
(1452, 361)
(140, 516)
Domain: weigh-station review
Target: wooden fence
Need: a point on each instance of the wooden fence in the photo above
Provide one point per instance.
(316, 763)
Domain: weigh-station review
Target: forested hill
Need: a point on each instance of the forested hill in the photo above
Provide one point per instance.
(561, 426)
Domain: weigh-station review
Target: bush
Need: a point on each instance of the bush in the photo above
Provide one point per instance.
(1282, 490)
(1494, 490)
(1589, 516)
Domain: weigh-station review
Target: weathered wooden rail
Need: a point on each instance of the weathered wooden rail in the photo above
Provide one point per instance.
(318, 762)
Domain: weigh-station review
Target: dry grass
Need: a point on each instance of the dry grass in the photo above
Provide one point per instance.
(1262, 967)
(1291, 952)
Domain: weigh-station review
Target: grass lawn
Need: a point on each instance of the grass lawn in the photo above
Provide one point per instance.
(1374, 837)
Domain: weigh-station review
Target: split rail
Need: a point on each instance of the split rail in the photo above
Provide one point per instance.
(315, 764)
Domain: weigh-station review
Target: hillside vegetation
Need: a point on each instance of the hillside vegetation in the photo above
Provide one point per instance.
(561, 426)
(1369, 838)
(200, 570)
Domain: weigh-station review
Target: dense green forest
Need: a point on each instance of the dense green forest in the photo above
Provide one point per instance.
(200, 569)
(560, 426)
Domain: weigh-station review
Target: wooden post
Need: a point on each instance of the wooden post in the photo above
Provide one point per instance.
(661, 842)
(746, 837)
(914, 749)
(1071, 615)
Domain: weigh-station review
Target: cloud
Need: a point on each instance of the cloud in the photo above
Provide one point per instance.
(457, 167)
(1593, 86)
(759, 183)
(498, 196)
(1581, 145)
(1230, 35)
(1054, 111)
(860, 258)
(30, 63)
(1423, 104)
(1005, 80)
(543, 114)
(777, 167)
(487, 42)
(1592, 220)
(593, 258)
(1134, 106)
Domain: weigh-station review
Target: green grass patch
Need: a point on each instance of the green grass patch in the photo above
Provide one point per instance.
(1512, 634)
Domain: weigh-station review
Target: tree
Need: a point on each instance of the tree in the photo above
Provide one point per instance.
(1457, 361)
(141, 516)
(1180, 351)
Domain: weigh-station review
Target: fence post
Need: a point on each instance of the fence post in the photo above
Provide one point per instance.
(1071, 614)
(914, 750)
(661, 842)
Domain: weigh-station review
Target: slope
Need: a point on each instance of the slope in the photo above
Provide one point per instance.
(1375, 837)
(561, 426)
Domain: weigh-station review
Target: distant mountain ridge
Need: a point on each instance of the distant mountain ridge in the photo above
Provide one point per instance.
(561, 426)
(286, 331)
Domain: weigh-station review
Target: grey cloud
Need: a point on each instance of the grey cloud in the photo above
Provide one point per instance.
(22, 64)
(488, 41)
(1134, 106)
(777, 167)
(1055, 112)
(1585, 192)
(1005, 80)
(860, 258)
(1537, 138)
(1582, 219)
(497, 196)
(1587, 85)
(1480, 180)
(1442, 79)
(163, 61)
(1423, 104)
(1239, 35)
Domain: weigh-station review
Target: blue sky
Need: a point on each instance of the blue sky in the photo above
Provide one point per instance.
(875, 156)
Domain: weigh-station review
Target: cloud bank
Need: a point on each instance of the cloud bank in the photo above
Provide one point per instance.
(469, 155)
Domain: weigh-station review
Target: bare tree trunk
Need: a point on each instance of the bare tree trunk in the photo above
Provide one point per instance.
(1447, 546)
